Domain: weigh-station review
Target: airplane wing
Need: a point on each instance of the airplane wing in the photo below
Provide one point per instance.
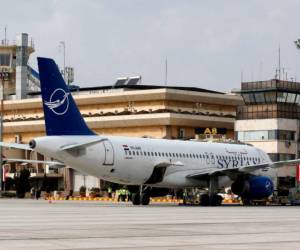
(50, 163)
(277, 164)
(15, 145)
(244, 169)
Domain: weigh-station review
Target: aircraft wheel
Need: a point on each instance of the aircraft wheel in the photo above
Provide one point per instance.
(216, 200)
(247, 202)
(136, 199)
(145, 199)
(204, 200)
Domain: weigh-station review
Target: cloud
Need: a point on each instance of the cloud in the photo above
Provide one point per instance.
(207, 43)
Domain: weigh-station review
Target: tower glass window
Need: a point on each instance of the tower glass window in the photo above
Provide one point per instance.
(4, 59)
(270, 99)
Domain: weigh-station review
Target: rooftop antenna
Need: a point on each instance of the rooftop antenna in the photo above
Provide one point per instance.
(260, 69)
(279, 66)
(276, 73)
(5, 30)
(63, 45)
(242, 75)
(166, 71)
(297, 43)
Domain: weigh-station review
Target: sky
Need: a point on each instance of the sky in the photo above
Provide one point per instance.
(207, 44)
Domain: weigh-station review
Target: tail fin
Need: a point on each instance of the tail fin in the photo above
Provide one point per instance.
(62, 116)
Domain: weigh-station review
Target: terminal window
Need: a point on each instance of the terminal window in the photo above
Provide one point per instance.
(266, 111)
(282, 157)
(4, 59)
(260, 135)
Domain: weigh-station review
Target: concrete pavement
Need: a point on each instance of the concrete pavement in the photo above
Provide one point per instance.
(28, 224)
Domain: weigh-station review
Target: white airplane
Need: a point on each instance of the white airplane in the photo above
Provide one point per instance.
(147, 166)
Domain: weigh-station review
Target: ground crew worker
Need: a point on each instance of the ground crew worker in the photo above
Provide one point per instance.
(118, 194)
(109, 191)
(32, 192)
(122, 194)
(127, 194)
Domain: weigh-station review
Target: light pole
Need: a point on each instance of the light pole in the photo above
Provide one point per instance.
(63, 44)
(4, 75)
(297, 43)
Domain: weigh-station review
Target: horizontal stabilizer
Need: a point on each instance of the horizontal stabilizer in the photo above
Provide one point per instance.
(15, 145)
(50, 163)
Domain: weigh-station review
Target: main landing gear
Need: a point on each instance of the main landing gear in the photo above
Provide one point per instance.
(214, 198)
(142, 197)
(211, 198)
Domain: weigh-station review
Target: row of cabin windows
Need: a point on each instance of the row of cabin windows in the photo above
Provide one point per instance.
(194, 156)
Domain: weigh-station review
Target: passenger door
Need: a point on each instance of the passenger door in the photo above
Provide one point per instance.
(109, 153)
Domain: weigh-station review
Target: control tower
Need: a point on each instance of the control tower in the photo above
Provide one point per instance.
(16, 76)
(270, 119)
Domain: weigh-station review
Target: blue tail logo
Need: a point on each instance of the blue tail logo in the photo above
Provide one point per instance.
(59, 102)
(62, 116)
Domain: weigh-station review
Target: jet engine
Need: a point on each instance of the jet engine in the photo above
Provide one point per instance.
(253, 187)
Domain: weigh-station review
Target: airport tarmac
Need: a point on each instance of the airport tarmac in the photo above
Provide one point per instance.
(29, 224)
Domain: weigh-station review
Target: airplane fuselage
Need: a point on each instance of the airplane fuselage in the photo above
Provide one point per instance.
(132, 161)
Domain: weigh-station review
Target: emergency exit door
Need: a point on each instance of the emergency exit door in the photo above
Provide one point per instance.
(109, 153)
